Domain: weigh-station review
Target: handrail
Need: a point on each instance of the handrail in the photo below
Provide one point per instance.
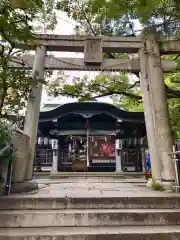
(9, 146)
(9, 172)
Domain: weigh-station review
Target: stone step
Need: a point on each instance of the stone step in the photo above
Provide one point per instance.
(92, 233)
(109, 175)
(89, 218)
(48, 203)
(92, 180)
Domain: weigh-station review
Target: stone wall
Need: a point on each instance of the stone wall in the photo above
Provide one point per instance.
(21, 144)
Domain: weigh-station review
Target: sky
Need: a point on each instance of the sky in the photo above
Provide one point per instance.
(65, 27)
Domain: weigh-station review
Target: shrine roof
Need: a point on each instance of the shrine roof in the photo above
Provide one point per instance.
(91, 108)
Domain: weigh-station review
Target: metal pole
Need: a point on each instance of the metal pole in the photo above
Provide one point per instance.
(174, 154)
(87, 140)
(10, 177)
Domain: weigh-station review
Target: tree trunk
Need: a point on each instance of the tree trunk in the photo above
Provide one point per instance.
(2, 98)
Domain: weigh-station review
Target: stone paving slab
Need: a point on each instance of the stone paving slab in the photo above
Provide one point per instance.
(48, 188)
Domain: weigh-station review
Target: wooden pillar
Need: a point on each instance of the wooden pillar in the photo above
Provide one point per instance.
(148, 112)
(160, 108)
(33, 107)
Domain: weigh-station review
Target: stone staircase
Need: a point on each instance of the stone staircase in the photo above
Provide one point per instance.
(90, 218)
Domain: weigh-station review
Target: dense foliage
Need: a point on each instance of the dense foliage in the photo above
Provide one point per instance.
(119, 17)
(5, 135)
(18, 21)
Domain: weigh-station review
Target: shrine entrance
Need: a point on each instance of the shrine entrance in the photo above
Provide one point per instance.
(87, 153)
(73, 153)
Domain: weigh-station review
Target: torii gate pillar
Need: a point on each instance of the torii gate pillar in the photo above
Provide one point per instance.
(33, 107)
(157, 107)
(148, 112)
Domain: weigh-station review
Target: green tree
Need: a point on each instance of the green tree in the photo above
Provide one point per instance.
(17, 21)
(173, 81)
(104, 84)
(118, 17)
(92, 22)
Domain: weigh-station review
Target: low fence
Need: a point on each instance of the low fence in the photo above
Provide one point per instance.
(43, 157)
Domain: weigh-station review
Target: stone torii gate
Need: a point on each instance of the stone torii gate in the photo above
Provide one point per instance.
(148, 65)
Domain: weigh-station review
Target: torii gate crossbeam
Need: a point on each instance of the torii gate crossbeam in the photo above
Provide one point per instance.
(77, 64)
(69, 43)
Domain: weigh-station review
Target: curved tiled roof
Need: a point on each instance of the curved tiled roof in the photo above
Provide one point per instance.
(90, 107)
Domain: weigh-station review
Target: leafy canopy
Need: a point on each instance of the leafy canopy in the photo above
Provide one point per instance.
(18, 21)
(117, 17)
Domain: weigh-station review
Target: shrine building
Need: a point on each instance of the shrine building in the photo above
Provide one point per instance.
(90, 136)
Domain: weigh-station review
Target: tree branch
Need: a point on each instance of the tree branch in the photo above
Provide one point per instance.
(94, 33)
(131, 95)
(90, 26)
(16, 61)
(134, 85)
(174, 59)
(110, 93)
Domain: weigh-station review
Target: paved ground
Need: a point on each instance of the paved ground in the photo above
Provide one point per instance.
(93, 188)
